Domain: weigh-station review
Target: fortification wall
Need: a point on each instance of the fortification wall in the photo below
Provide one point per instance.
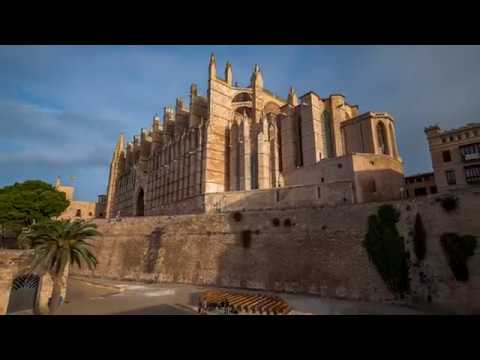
(319, 253)
(14, 263)
(281, 198)
(11, 263)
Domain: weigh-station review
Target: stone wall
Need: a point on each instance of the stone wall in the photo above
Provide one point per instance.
(281, 198)
(310, 250)
(13, 263)
(79, 210)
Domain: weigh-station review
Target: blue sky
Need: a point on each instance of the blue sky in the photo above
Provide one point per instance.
(63, 107)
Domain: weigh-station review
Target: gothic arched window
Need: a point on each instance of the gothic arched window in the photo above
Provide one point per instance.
(298, 141)
(326, 135)
(382, 138)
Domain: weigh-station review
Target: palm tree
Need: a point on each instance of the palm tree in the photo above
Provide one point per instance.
(57, 244)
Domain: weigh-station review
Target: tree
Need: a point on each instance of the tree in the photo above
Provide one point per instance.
(457, 250)
(419, 238)
(386, 249)
(22, 204)
(56, 245)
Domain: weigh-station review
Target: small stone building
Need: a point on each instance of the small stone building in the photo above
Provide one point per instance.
(76, 209)
(420, 185)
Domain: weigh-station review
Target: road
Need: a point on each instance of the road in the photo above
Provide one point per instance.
(105, 297)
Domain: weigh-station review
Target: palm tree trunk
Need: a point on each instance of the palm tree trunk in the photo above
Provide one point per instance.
(56, 293)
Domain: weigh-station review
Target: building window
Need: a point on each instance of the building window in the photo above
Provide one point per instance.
(450, 175)
(447, 157)
(444, 140)
(382, 139)
(433, 190)
(89, 214)
(279, 144)
(373, 186)
(451, 138)
(471, 152)
(79, 213)
(326, 129)
(253, 169)
(299, 147)
(318, 192)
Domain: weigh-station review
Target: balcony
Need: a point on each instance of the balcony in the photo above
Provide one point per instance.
(470, 152)
(472, 174)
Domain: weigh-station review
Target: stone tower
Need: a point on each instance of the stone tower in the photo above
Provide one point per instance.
(115, 167)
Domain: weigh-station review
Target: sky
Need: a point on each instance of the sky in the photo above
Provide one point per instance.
(62, 108)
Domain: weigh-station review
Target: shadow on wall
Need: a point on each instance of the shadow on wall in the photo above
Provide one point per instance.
(154, 245)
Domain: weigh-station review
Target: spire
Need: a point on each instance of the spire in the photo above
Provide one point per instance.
(212, 67)
(120, 145)
(179, 105)
(157, 123)
(257, 77)
(229, 74)
(292, 97)
(193, 90)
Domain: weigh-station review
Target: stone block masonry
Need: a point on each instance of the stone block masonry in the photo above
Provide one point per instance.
(316, 250)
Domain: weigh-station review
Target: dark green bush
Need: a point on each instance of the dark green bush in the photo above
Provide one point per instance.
(419, 239)
(457, 250)
(388, 214)
(386, 249)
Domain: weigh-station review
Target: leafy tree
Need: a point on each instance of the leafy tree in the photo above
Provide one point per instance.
(22, 204)
(56, 245)
(419, 238)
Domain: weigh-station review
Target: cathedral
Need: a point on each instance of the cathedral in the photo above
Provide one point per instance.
(237, 142)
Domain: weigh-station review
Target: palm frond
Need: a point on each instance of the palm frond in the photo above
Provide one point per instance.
(58, 243)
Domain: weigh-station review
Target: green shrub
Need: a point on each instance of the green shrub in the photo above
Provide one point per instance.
(386, 249)
(457, 250)
(388, 214)
(419, 239)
